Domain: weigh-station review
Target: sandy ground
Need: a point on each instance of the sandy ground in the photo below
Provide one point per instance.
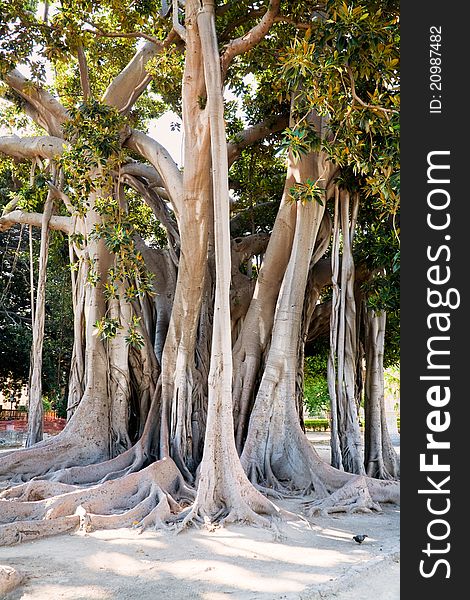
(319, 562)
(244, 563)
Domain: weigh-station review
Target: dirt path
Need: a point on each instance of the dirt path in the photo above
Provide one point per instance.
(242, 563)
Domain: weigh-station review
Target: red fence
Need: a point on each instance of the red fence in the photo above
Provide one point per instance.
(17, 420)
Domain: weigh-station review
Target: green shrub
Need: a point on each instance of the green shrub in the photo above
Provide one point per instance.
(316, 397)
(46, 404)
(316, 424)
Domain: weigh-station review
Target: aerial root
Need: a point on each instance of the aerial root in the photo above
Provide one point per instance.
(352, 497)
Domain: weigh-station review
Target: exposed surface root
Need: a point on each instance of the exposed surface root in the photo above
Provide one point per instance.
(288, 456)
(42, 508)
(10, 578)
(242, 504)
(50, 456)
(128, 462)
(241, 514)
(352, 497)
(25, 531)
(36, 490)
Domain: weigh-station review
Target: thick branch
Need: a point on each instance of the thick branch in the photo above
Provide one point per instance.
(45, 109)
(25, 218)
(126, 88)
(254, 134)
(250, 39)
(44, 146)
(245, 247)
(166, 167)
(142, 170)
(83, 68)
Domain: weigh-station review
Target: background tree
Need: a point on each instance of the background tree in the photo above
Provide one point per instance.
(15, 303)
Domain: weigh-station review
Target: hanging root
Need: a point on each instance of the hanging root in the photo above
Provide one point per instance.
(352, 497)
(43, 508)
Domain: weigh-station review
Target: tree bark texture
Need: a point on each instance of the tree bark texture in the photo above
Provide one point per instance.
(380, 459)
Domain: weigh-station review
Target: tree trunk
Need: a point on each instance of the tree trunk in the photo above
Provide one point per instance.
(223, 488)
(274, 442)
(35, 407)
(345, 431)
(179, 370)
(380, 460)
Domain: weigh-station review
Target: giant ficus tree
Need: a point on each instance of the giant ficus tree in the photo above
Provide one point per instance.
(194, 287)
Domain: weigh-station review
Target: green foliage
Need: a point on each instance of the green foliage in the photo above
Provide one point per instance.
(31, 198)
(392, 382)
(46, 404)
(167, 72)
(94, 132)
(300, 141)
(90, 164)
(308, 191)
(15, 313)
(107, 328)
(316, 424)
(316, 396)
(346, 65)
(135, 337)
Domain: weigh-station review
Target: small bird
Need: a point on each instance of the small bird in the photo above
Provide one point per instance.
(360, 538)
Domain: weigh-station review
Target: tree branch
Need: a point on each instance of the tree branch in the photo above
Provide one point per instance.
(120, 34)
(60, 195)
(142, 170)
(32, 147)
(126, 87)
(236, 220)
(361, 102)
(44, 108)
(250, 39)
(83, 68)
(244, 248)
(254, 134)
(35, 219)
(180, 29)
(254, 14)
(166, 167)
(290, 21)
